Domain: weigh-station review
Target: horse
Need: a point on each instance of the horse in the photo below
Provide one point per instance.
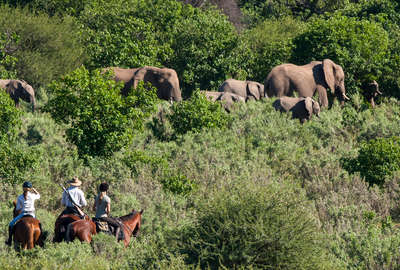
(27, 232)
(84, 229)
(61, 224)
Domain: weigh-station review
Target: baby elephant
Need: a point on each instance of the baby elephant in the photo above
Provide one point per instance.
(371, 92)
(227, 99)
(301, 108)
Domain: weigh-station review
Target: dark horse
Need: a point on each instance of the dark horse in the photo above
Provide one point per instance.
(84, 229)
(27, 232)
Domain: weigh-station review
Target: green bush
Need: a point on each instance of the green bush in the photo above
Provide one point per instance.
(255, 227)
(47, 47)
(196, 114)
(203, 45)
(101, 120)
(267, 45)
(116, 37)
(178, 184)
(8, 45)
(15, 160)
(377, 159)
(361, 47)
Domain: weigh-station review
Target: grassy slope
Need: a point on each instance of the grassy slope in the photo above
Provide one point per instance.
(262, 146)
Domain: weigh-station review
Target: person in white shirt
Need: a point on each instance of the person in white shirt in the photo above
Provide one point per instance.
(77, 196)
(25, 206)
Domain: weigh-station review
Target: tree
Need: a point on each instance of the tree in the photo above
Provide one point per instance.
(101, 120)
(14, 159)
(361, 47)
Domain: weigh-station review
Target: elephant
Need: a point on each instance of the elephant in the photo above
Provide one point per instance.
(123, 74)
(247, 89)
(227, 99)
(284, 79)
(372, 91)
(301, 108)
(19, 89)
(164, 79)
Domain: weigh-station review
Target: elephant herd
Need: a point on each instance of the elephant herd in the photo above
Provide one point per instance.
(282, 82)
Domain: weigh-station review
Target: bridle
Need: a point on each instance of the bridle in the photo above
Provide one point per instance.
(129, 227)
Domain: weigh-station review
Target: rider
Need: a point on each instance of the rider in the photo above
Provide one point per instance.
(102, 207)
(77, 196)
(25, 206)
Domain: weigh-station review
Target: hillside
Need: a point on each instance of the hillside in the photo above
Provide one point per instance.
(250, 189)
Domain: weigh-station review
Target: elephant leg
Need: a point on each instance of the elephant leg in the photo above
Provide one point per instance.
(322, 96)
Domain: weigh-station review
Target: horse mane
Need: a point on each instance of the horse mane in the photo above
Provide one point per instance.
(128, 216)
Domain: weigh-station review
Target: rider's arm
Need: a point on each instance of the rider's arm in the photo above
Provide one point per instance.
(82, 199)
(108, 208)
(36, 194)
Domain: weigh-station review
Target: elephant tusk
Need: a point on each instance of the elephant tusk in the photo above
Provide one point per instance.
(379, 92)
(346, 97)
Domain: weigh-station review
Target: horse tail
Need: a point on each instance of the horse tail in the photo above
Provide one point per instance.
(43, 235)
(68, 234)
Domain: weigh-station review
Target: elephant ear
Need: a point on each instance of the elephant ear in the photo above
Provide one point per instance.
(253, 90)
(328, 67)
(308, 103)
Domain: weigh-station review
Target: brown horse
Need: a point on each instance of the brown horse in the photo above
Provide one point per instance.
(27, 232)
(84, 229)
(61, 224)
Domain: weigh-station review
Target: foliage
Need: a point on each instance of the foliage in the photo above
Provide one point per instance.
(102, 120)
(14, 160)
(51, 7)
(359, 46)
(267, 45)
(376, 160)
(256, 11)
(115, 37)
(8, 43)
(178, 184)
(10, 116)
(196, 114)
(47, 48)
(263, 226)
(203, 44)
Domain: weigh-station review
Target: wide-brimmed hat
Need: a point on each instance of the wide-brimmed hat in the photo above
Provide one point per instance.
(75, 182)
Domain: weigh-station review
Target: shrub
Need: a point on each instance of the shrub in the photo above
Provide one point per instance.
(203, 45)
(101, 120)
(266, 46)
(15, 160)
(254, 226)
(8, 44)
(359, 46)
(377, 159)
(47, 47)
(196, 114)
(178, 184)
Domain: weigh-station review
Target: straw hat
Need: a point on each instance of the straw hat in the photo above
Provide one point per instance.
(75, 182)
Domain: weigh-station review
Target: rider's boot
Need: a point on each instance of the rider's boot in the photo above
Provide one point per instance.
(9, 240)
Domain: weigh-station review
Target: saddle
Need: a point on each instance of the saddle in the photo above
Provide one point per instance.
(103, 226)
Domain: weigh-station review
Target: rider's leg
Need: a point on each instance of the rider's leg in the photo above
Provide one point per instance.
(11, 227)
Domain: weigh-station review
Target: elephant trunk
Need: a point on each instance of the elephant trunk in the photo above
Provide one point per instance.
(33, 102)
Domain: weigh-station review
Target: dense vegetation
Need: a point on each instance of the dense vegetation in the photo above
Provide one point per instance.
(249, 189)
